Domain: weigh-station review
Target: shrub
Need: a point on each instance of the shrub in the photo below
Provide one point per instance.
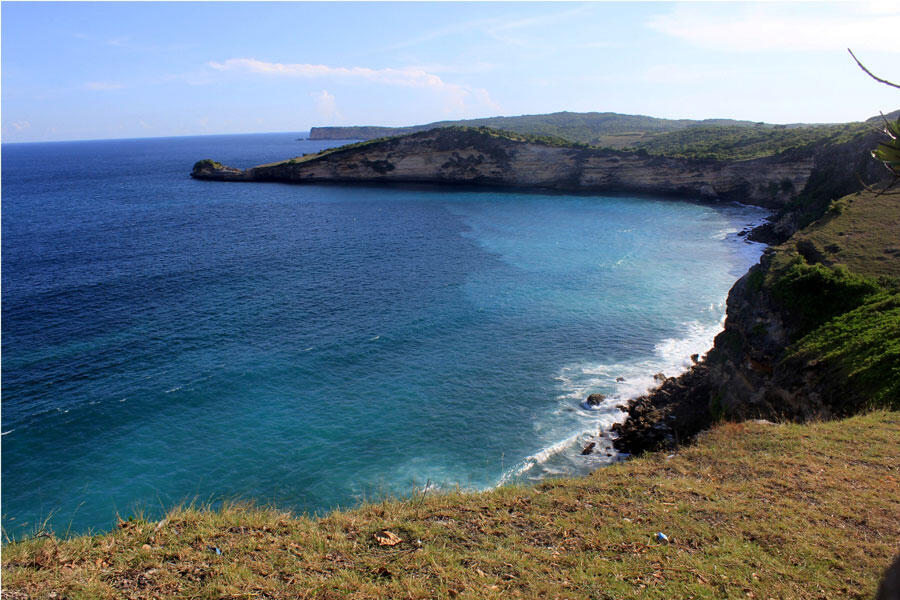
(813, 294)
(858, 354)
(207, 163)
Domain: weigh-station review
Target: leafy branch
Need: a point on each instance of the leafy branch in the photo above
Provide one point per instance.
(888, 152)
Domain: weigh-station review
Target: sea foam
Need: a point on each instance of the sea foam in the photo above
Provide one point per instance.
(619, 382)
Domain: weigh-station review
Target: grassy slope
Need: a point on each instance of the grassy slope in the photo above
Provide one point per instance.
(465, 136)
(740, 143)
(861, 231)
(718, 142)
(839, 281)
(722, 139)
(752, 510)
(588, 128)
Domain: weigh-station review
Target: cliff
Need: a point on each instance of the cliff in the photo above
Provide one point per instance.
(487, 157)
(812, 332)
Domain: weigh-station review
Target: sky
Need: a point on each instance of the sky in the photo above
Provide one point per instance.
(100, 70)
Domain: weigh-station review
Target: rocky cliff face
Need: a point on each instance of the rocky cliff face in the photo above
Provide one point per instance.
(847, 261)
(481, 157)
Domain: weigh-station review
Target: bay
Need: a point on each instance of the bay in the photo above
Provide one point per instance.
(167, 340)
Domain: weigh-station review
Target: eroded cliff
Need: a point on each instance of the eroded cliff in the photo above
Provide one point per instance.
(487, 157)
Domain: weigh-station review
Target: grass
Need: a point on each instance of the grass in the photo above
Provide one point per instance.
(817, 293)
(837, 283)
(751, 511)
(861, 231)
(458, 133)
(857, 355)
(698, 141)
(729, 142)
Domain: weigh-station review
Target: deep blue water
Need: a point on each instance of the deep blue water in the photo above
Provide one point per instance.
(166, 340)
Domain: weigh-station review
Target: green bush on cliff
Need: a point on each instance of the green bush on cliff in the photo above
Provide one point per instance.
(814, 294)
(858, 354)
(207, 163)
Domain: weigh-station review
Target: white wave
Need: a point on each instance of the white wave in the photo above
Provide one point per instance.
(619, 382)
(7, 432)
(538, 458)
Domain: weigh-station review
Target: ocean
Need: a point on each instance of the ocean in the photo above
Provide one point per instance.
(169, 341)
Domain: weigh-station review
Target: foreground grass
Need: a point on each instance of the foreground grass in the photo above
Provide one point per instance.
(751, 511)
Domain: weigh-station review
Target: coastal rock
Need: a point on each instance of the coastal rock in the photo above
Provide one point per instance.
(595, 399)
(663, 418)
(588, 449)
(210, 169)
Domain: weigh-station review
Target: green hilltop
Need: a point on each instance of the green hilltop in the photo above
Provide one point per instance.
(723, 139)
(605, 129)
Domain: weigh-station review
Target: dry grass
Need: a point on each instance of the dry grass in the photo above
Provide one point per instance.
(752, 511)
(865, 237)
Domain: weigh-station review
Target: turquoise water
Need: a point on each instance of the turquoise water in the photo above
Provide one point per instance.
(169, 340)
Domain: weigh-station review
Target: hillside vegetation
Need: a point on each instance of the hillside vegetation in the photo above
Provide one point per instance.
(751, 511)
(838, 282)
(607, 129)
(740, 143)
(722, 139)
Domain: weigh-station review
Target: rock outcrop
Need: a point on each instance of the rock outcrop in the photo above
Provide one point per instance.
(486, 157)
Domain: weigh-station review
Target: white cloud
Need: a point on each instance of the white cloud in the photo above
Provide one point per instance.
(102, 86)
(20, 126)
(411, 77)
(326, 105)
(456, 97)
(773, 27)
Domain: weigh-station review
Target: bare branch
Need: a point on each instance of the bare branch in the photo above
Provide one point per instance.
(870, 74)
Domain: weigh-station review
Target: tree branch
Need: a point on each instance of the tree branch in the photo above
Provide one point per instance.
(870, 74)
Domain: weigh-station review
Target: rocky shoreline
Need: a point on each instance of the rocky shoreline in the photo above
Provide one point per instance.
(749, 373)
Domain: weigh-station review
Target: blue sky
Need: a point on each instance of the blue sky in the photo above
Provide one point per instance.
(113, 70)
